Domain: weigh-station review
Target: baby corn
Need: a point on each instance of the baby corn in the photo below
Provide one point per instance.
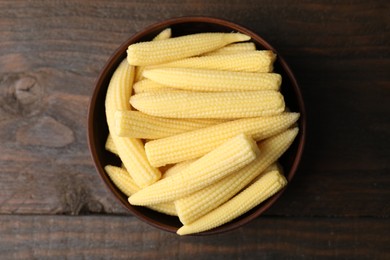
(228, 105)
(178, 167)
(213, 80)
(198, 142)
(229, 157)
(165, 34)
(155, 52)
(147, 85)
(266, 186)
(252, 61)
(130, 150)
(110, 146)
(135, 124)
(233, 48)
(203, 201)
(122, 179)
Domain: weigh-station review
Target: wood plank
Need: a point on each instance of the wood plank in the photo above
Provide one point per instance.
(68, 34)
(92, 237)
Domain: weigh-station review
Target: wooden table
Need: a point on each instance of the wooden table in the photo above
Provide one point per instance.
(53, 203)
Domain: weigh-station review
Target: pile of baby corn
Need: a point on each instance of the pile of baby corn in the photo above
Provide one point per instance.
(199, 124)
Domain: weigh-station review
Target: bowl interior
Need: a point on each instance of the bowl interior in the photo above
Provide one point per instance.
(98, 129)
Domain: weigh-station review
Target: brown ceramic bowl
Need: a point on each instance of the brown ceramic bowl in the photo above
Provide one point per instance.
(98, 130)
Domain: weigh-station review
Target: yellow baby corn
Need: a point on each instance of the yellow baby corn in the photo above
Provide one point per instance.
(214, 80)
(178, 167)
(135, 124)
(228, 105)
(252, 61)
(147, 85)
(167, 208)
(165, 34)
(229, 157)
(130, 150)
(155, 52)
(110, 146)
(196, 143)
(122, 179)
(233, 48)
(203, 201)
(269, 184)
(276, 165)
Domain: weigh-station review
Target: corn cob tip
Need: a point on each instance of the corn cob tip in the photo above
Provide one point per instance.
(293, 131)
(238, 37)
(282, 180)
(296, 114)
(252, 142)
(164, 34)
(108, 167)
(183, 230)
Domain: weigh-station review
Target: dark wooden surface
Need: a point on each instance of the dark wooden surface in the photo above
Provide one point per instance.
(53, 203)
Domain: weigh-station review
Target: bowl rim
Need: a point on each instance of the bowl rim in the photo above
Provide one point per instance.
(114, 60)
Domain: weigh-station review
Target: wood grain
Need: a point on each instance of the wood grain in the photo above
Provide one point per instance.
(51, 53)
(92, 237)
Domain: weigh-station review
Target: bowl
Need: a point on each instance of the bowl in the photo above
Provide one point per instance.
(98, 129)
